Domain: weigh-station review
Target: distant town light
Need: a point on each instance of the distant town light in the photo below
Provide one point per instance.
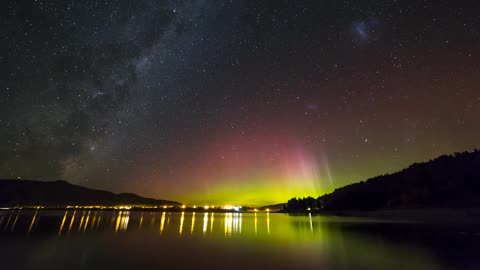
(232, 207)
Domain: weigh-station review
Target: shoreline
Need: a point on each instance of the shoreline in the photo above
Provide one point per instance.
(418, 215)
(452, 215)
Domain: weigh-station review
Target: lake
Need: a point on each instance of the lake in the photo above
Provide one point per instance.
(94, 239)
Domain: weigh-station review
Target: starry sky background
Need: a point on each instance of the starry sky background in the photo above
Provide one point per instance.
(247, 102)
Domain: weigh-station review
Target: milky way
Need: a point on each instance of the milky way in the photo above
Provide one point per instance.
(234, 101)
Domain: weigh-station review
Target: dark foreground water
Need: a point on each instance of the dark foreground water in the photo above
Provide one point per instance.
(126, 240)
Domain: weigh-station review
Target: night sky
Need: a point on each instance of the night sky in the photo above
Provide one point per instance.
(245, 102)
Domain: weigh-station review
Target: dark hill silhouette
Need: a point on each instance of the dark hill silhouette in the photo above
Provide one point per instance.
(449, 181)
(61, 193)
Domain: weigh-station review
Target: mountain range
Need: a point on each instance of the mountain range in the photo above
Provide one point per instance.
(60, 193)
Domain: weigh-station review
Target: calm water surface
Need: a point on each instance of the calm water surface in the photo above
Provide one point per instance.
(93, 239)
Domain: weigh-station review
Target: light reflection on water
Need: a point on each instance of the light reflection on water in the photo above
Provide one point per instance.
(286, 241)
(162, 222)
(119, 221)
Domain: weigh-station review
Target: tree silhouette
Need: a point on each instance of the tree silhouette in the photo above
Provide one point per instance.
(447, 181)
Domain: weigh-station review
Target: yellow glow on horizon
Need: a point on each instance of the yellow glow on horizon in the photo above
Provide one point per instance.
(248, 191)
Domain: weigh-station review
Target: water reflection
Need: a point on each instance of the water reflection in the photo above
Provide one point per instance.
(86, 221)
(34, 219)
(205, 223)
(193, 223)
(13, 215)
(233, 223)
(15, 220)
(8, 220)
(72, 220)
(309, 237)
(182, 218)
(94, 220)
(81, 221)
(162, 222)
(230, 224)
(122, 221)
(311, 222)
(141, 222)
(268, 222)
(211, 223)
(99, 219)
(63, 223)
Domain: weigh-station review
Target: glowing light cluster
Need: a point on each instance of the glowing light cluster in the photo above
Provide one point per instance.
(232, 207)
